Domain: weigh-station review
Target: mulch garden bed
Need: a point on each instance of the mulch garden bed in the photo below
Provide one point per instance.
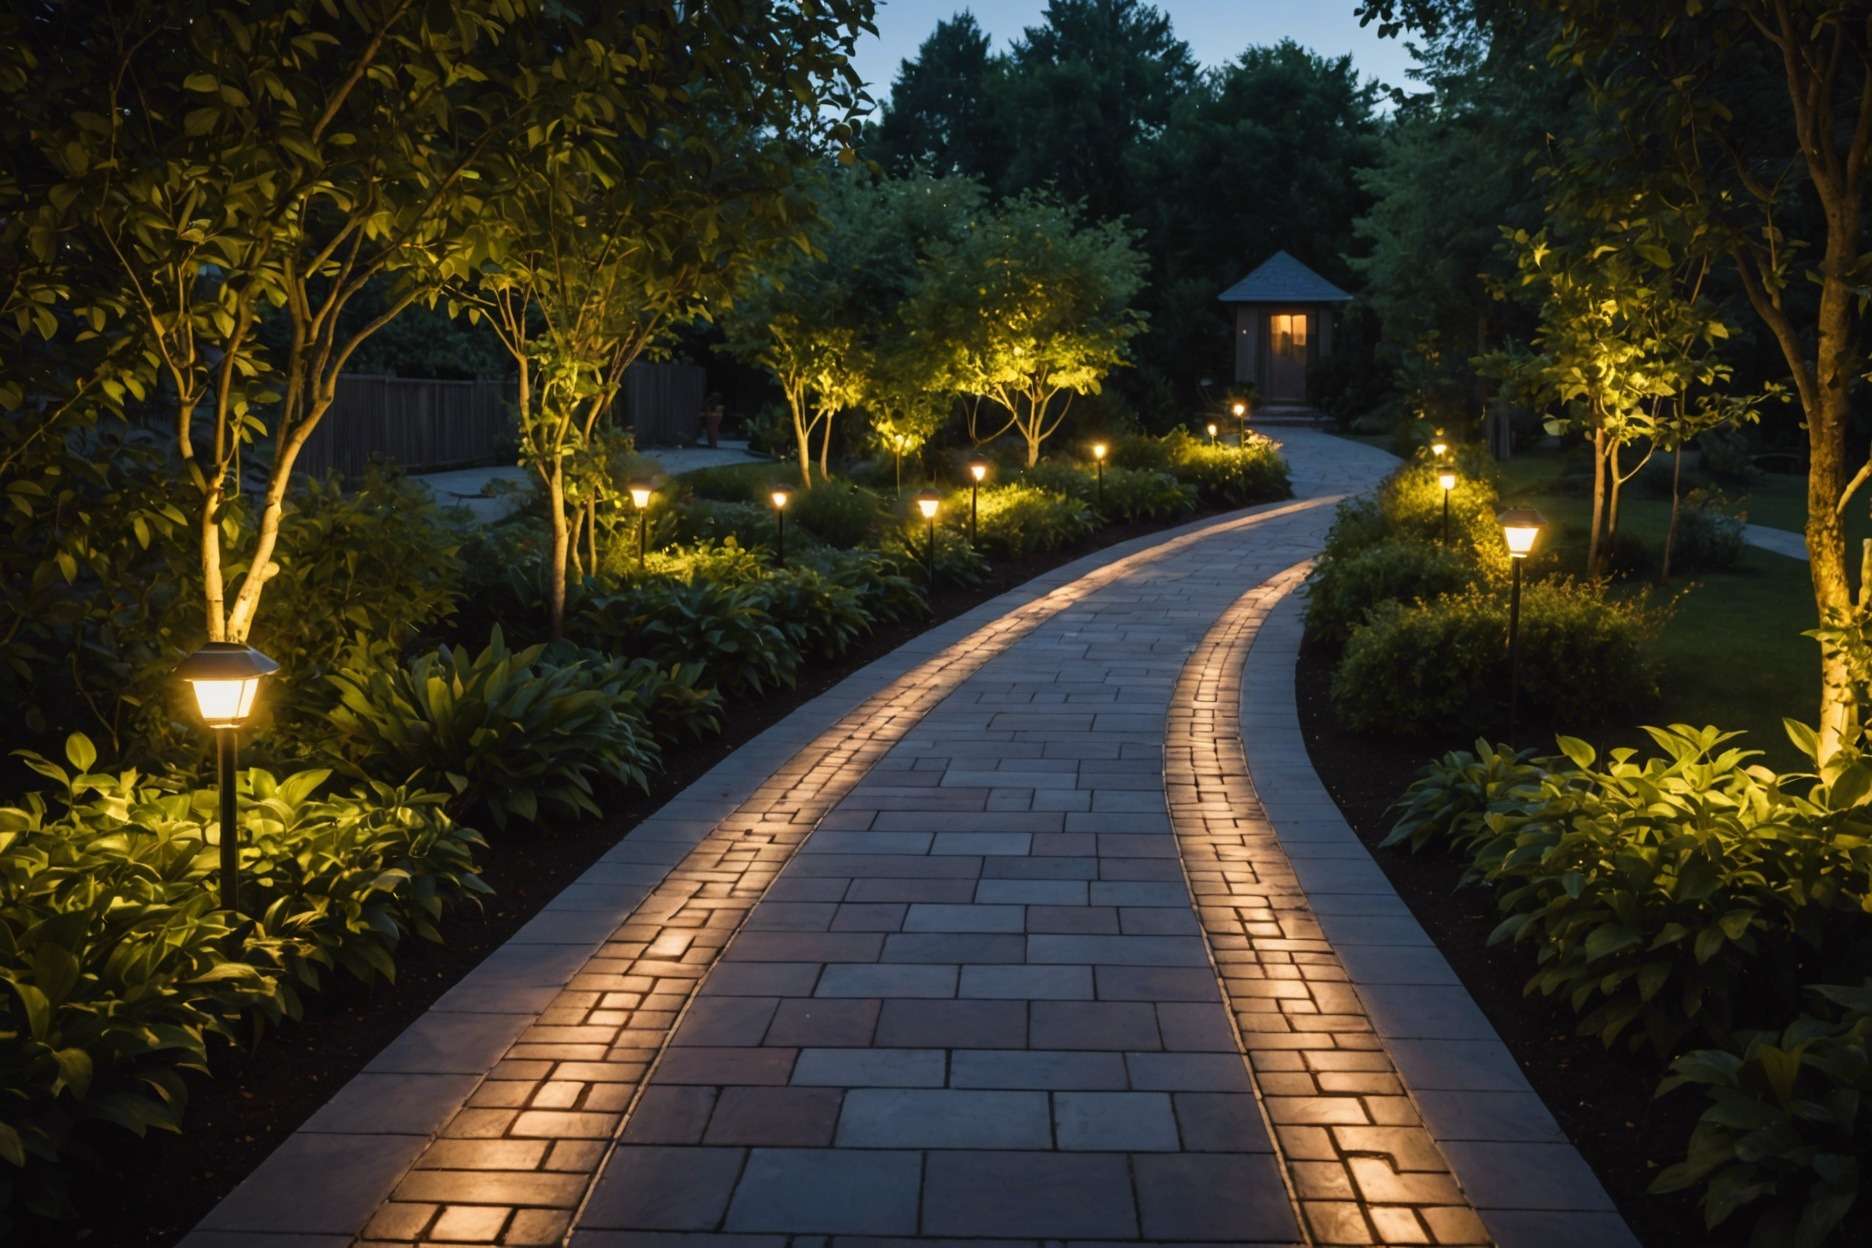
(161, 1186)
(1603, 1099)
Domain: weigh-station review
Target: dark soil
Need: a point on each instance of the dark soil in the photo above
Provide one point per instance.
(161, 1186)
(1602, 1099)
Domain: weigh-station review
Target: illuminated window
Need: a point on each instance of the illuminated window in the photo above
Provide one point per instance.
(1288, 331)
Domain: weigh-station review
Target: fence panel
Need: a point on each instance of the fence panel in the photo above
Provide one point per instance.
(420, 423)
(663, 402)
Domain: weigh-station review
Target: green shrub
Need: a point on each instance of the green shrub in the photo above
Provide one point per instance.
(1019, 519)
(1144, 453)
(819, 614)
(728, 629)
(1226, 475)
(1669, 895)
(958, 564)
(1343, 591)
(120, 966)
(1448, 804)
(1441, 665)
(886, 592)
(838, 513)
(1789, 1122)
(364, 575)
(749, 524)
(1726, 455)
(1130, 493)
(508, 731)
(738, 483)
(726, 560)
(1709, 534)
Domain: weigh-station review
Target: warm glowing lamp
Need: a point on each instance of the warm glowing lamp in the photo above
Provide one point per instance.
(1212, 433)
(1439, 448)
(780, 497)
(928, 501)
(640, 492)
(1521, 528)
(977, 470)
(226, 679)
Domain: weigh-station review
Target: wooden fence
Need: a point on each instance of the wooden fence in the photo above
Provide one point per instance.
(425, 425)
(417, 422)
(663, 403)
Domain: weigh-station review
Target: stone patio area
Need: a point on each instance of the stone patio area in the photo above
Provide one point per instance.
(1039, 930)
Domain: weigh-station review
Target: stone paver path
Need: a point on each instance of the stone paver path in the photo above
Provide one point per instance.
(1001, 945)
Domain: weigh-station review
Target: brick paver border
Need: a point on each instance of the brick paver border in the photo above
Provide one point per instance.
(1441, 1093)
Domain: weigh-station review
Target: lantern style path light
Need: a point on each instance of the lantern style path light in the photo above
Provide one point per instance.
(1439, 448)
(1448, 481)
(226, 676)
(1241, 419)
(978, 471)
(1521, 528)
(1098, 458)
(640, 492)
(928, 502)
(780, 497)
(1212, 433)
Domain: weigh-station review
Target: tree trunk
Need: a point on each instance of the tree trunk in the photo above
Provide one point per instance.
(1615, 486)
(1827, 555)
(1670, 530)
(591, 534)
(1598, 500)
(825, 448)
(796, 405)
(556, 555)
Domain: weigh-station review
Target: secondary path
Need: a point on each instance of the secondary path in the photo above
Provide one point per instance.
(1005, 948)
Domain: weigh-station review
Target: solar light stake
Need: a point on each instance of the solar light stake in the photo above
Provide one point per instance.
(1098, 458)
(640, 492)
(779, 498)
(927, 502)
(1521, 528)
(1241, 416)
(226, 676)
(1448, 481)
(978, 469)
(1212, 433)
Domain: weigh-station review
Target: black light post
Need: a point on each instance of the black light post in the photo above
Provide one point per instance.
(780, 497)
(1521, 528)
(1241, 423)
(978, 471)
(1448, 481)
(640, 492)
(226, 676)
(1212, 433)
(1098, 459)
(928, 502)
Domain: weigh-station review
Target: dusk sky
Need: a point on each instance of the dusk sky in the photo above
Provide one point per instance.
(1216, 30)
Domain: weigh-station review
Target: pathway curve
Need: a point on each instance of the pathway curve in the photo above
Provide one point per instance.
(996, 944)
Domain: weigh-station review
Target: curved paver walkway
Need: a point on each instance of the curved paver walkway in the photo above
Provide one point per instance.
(923, 962)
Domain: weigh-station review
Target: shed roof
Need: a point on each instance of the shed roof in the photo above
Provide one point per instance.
(1282, 279)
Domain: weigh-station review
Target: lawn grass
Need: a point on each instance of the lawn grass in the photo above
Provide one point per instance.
(1732, 654)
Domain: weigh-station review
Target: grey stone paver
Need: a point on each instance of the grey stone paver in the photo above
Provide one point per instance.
(923, 963)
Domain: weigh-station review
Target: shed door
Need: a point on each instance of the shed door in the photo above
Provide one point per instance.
(1287, 356)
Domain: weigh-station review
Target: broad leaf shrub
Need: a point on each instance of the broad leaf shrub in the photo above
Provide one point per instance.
(726, 628)
(1225, 475)
(958, 564)
(1437, 665)
(838, 513)
(509, 732)
(1130, 494)
(1709, 533)
(120, 970)
(1788, 1126)
(1447, 806)
(1344, 591)
(1408, 506)
(1017, 519)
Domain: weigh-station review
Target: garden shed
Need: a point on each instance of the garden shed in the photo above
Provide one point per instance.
(1283, 326)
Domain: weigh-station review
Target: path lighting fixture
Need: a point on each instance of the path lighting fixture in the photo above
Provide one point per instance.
(226, 676)
(1098, 458)
(1241, 417)
(1212, 433)
(1521, 528)
(780, 497)
(978, 471)
(1447, 480)
(1439, 448)
(928, 501)
(640, 492)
